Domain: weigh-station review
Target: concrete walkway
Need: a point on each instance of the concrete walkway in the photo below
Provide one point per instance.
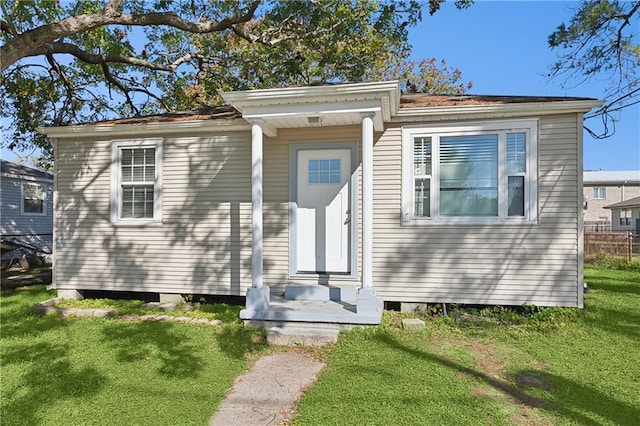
(267, 394)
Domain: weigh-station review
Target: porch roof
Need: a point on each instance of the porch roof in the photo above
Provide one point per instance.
(627, 204)
(314, 106)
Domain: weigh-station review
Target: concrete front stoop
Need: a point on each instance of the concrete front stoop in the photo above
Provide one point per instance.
(312, 315)
(301, 333)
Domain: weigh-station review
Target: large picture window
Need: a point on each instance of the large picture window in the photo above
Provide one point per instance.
(471, 173)
(136, 183)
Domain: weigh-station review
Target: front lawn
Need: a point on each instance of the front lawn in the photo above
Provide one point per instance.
(113, 372)
(558, 366)
(550, 366)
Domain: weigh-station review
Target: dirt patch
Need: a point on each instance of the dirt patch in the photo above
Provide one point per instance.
(492, 380)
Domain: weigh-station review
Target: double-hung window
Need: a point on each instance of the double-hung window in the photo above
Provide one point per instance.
(625, 217)
(470, 173)
(136, 190)
(33, 199)
(599, 193)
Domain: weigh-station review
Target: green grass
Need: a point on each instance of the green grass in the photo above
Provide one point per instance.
(486, 366)
(112, 372)
(545, 366)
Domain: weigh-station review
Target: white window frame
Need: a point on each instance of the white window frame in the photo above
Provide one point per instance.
(44, 199)
(596, 192)
(627, 216)
(530, 127)
(116, 181)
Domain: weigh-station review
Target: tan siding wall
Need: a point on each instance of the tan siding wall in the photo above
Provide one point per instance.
(203, 244)
(507, 264)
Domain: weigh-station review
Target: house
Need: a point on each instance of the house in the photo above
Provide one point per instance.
(625, 215)
(26, 197)
(602, 188)
(350, 193)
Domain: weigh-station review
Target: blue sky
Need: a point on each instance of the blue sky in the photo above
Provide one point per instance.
(501, 46)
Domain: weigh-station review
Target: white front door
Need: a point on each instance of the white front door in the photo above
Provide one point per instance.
(323, 203)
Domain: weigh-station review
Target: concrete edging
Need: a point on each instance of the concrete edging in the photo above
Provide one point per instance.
(49, 307)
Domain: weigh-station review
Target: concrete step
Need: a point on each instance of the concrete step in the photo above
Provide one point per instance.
(345, 293)
(306, 334)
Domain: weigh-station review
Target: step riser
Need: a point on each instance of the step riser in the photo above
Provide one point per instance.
(320, 292)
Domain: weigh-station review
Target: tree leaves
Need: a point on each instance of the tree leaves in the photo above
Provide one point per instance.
(90, 60)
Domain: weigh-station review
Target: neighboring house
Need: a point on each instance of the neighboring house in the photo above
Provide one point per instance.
(625, 215)
(602, 188)
(347, 192)
(27, 205)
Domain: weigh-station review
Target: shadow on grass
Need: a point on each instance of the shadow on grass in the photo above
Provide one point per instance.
(236, 340)
(46, 373)
(613, 281)
(18, 317)
(569, 398)
(140, 341)
(48, 377)
(617, 288)
(622, 322)
(612, 306)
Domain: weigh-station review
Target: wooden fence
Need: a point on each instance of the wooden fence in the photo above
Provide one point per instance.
(602, 244)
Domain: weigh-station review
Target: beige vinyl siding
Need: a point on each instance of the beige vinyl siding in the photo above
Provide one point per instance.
(496, 264)
(204, 242)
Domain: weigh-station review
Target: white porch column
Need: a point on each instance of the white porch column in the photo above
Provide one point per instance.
(256, 203)
(367, 302)
(367, 200)
(258, 293)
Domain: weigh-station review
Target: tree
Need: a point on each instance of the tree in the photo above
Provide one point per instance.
(599, 42)
(65, 63)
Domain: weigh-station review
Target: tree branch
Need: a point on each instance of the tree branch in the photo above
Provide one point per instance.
(5, 27)
(94, 58)
(30, 42)
(125, 91)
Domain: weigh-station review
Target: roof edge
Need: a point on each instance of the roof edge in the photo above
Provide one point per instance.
(630, 203)
(538, 108)
(165, 127)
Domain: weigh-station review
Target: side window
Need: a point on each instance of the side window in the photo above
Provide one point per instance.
(33, 199)
(136, 191)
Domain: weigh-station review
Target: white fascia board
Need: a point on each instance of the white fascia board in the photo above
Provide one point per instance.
(277, 98)
(25, 178)
(266, 113)
(164, 127)
(310, 110)
(502, 110)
